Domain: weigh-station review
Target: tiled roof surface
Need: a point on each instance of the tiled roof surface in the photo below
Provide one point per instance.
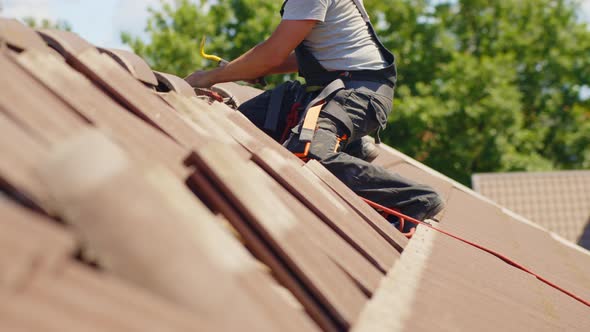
(558, 201)
(129, 204)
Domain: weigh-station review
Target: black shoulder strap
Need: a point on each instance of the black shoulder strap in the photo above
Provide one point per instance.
(361, 9)
(283, 7)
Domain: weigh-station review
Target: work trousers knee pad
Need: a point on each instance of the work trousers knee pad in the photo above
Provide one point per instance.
(327, 140)
(323, 144)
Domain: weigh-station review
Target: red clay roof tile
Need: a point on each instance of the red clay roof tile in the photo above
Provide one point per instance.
(134, 64)
(168, 261)
(20, 37)
(557, 201)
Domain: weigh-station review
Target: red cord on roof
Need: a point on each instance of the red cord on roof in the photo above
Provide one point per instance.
(400, 227)
(490, 251)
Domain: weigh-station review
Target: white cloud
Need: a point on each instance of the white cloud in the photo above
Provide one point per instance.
(38, 9)
(132, 15)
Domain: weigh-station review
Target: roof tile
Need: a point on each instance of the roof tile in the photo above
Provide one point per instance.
(172, 259)
(20, 37)
(134, 64)
(557, 201)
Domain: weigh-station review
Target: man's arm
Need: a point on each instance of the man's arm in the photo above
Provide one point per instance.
(290, 65)
(274, 55)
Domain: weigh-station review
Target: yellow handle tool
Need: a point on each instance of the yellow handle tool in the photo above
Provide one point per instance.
(211, 57)
(222, 62)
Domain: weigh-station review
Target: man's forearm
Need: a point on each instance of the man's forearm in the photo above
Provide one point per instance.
(251, 65)
(275, 55)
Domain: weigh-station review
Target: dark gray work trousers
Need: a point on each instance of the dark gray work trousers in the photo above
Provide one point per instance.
(367, 111)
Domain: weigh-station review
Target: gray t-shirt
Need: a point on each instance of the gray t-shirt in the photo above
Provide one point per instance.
(341, 39)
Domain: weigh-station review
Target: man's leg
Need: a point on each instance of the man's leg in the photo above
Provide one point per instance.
(371, 181)
(270, 109)
(363, 148)
(256, 108)
(367, 180)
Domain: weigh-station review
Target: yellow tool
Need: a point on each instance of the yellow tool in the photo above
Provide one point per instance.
(220, 61)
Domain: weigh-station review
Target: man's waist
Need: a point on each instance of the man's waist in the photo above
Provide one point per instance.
(382, 87)
(324, 78)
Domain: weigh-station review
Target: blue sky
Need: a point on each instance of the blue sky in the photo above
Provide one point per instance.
(101, 21)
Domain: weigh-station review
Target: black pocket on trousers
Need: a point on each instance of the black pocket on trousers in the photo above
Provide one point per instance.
(381, 106)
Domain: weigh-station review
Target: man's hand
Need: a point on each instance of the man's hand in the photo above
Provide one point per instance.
(274, 55)
(199, 79)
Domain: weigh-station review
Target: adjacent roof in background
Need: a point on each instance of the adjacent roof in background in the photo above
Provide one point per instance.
(557, 201)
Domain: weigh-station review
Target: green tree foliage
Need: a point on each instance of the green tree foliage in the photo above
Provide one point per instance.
(489, 85)
(231, 26)
(47, 24)
(483, 85)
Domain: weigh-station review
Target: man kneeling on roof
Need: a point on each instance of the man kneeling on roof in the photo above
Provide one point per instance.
(350, 77)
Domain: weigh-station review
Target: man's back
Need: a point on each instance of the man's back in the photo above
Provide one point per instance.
(341, 39)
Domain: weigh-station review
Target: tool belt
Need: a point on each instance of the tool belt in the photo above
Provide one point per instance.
(305, 130)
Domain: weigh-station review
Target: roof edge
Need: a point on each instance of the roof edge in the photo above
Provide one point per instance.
(570, 244)
(385, 312)
(520, 173)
